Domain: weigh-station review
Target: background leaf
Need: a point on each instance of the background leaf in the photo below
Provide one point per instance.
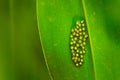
(21, 56)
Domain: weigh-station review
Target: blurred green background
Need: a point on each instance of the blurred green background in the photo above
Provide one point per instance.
(21, 55)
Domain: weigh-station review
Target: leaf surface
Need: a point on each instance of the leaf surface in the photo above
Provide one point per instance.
(55, 19)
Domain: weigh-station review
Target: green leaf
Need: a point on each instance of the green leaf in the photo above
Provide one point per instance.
(103, 19)
(21, 56)
(55, 19)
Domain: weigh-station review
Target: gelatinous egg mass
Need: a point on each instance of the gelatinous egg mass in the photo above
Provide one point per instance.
(78, 37)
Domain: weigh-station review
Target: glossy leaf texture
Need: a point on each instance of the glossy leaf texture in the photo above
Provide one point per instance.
(55, 20)
(21, 56)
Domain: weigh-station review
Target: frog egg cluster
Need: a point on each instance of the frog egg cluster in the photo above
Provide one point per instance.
(78, 38)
